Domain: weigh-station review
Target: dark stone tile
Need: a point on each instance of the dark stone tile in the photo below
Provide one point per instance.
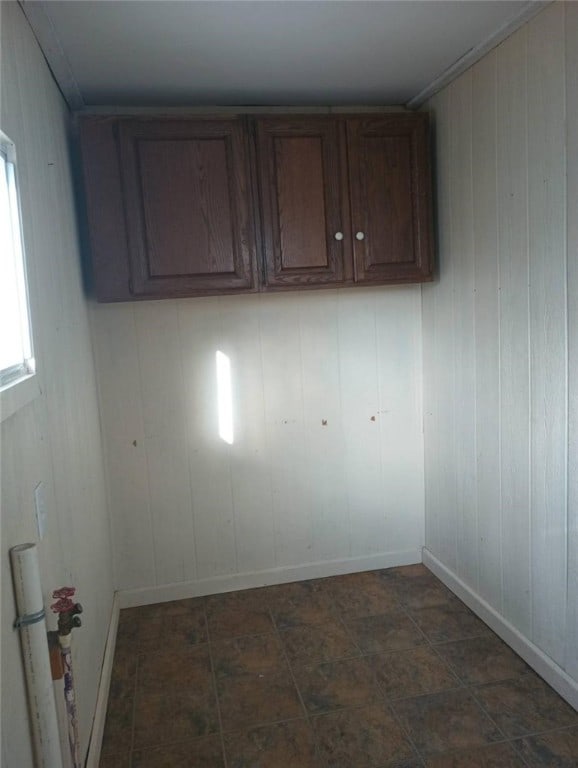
(366, 737)
(161, 611)
(401, 674)
(115, 761)
(123, 675)
(126, 636)
(450, 621)
(444, 721)
(181, 630)
(391, 631)
(420, 591)
(245, 599)
(278, 593)
(249, 700)
(247, 655)
(118, 725)
(482, 660)
(557, 749)
(170, 717)
(236, 614)
(284, 745)
(205, 752)
(301, 603)
(183, 671)
(335, 685)
(362, 594)
(526, 705)
(496, 756)
(314, 644)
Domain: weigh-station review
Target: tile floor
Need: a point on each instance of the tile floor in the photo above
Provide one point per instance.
(385, 669)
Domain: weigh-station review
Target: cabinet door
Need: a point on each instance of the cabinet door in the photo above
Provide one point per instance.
(300, 177)
(187, 206)
(390, 193)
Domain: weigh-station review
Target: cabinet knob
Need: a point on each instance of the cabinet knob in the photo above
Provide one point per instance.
(360, 235)
(338, 235)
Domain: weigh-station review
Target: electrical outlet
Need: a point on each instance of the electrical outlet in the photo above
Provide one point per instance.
(40, 503)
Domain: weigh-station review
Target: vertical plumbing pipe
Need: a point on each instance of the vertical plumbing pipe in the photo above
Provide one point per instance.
(68, 618)
(32, 625)
(70, 699)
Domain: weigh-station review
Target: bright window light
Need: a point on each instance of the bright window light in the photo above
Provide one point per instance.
(16, 356)
(225, 398)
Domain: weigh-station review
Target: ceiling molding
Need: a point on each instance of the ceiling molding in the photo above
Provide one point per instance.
(53, 52)
(527, 12)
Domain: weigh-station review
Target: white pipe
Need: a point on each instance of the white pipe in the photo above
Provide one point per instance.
(32, 626)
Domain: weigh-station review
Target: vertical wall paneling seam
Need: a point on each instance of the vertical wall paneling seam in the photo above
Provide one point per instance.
(419, 330)
(188, 447)
(499, 404)
(513, 212)
(303, 411)
(529, 324)
(148, 488)
(566, 325)
(452, 219)
(571, 90)
(260, 299)
(564, 660)
(340, 385)
(231, 448)
(102, 441)
(379, 413)
(475, 392)
(446, 335)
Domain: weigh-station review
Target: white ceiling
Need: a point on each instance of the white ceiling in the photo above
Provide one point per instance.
(247, 52)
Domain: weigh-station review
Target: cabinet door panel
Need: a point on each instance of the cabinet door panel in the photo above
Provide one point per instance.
(187, 205)
(390, 198)
(301, 196)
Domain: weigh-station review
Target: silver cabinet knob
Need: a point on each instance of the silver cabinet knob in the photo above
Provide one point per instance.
(338, 235)
(360, 235)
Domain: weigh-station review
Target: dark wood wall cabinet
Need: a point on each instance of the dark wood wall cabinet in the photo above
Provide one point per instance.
(202, 206)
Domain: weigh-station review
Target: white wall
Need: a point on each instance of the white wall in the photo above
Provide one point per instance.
(56, 438)
(290, 492)
(499, 334)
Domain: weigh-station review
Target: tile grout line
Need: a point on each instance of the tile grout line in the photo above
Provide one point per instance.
(470, 688)
(290, 668)
(215, 689)
(464, 685)
(133, 718)
(363, 655)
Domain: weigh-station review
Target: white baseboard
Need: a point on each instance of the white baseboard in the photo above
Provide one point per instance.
(95, 743)
(553, 674)
(129, 598)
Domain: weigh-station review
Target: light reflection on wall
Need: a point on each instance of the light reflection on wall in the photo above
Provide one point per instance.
(224, 397)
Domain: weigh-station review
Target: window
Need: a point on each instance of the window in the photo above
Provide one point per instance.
(16, 354)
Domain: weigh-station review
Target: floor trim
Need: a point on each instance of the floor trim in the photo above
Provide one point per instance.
(552, 673)
(130, 598)
(95, 743)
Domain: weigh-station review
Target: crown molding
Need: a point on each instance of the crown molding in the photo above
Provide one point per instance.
(526, 12)
(43, 29)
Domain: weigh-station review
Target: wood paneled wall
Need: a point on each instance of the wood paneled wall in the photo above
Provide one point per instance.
(499, 333)
(327, 459)
(56, 438)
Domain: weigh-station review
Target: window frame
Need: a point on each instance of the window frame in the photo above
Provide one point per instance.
(18, 383)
